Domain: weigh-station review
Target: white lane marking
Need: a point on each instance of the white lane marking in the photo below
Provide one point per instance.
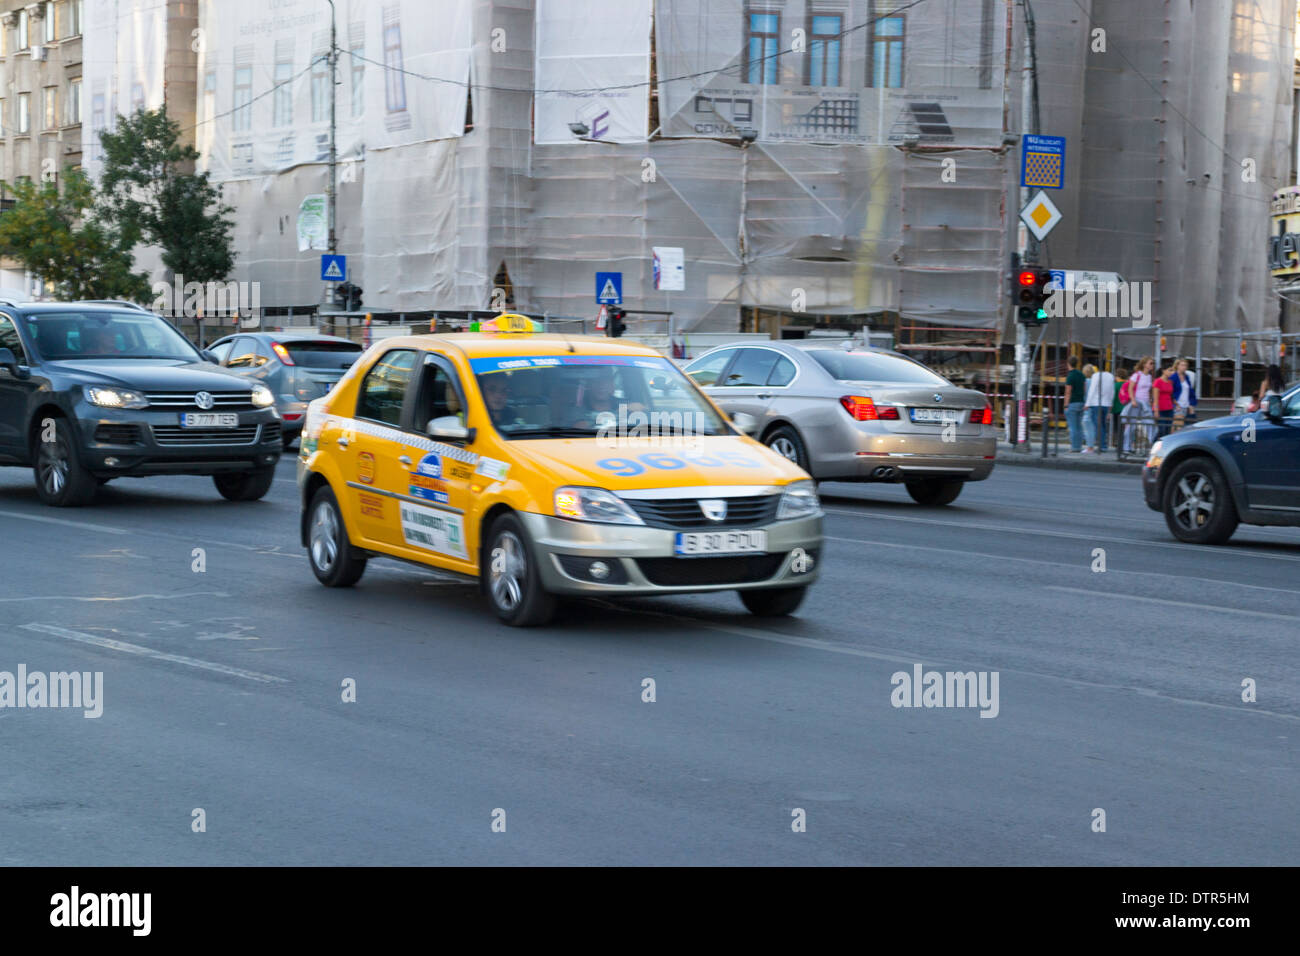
(84, 525)
(125, 597)
(112, 645)
(1178, 604)
(1077, 565)
(1073, 535)
(836, 648)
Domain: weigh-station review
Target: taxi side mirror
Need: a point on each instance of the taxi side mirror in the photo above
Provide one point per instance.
(745, 422)
(450, 428)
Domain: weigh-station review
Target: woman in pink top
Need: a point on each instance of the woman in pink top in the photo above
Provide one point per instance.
(1140, 405)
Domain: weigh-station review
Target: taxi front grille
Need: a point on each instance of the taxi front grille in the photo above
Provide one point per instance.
(684, 513)
(683, 572)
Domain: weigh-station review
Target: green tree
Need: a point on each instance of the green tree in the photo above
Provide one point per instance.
(150, 192)
(53, 231)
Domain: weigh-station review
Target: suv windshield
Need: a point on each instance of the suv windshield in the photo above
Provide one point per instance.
(107, 335)
(578, 396)
(873, 367)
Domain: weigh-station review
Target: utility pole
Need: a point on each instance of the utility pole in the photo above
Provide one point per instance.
(1028, 245)
(332, 191)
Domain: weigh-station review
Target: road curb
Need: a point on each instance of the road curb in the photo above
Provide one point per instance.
(1035, 460)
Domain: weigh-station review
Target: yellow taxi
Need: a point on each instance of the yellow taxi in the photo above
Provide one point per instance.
(548, 466)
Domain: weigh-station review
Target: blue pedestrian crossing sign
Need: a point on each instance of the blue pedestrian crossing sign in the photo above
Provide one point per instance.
(609, 288)
(333, 268)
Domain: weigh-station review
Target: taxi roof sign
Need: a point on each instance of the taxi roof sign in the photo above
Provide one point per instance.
(509, 322)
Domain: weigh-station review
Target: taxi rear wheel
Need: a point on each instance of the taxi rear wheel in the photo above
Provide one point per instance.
(328, 550)
(511, 579)
(773, 602)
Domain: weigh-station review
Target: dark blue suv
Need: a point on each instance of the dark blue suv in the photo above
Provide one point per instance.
(1216, 474)
(92, 392)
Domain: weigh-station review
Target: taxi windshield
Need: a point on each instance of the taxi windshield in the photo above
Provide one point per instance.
(579, 396)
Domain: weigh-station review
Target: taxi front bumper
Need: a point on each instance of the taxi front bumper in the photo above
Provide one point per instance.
(641, 560)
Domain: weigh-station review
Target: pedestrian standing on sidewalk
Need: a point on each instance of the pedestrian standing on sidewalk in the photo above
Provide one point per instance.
(1096, 408)
(1075, 384)
(1162, 400)
(1184, 395)
(1138, 412)
(1118, 405)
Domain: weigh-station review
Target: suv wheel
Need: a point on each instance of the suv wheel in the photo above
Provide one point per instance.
(328, 549)
(934, 491)
(245, 485)
(773, 602)
(1197, 504)
(511, 579)
(61, 481)
(785, 441)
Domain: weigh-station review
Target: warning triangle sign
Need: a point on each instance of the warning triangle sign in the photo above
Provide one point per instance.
(609, 292)
(332, 271)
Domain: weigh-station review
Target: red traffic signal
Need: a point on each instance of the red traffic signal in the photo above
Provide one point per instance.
(1027, 277)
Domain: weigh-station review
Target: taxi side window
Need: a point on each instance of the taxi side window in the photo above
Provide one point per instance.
(751, 368)
(439, 398)
(706, 370)
(9, 339)
(384, 388)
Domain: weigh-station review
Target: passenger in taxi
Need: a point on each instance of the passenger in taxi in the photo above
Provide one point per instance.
(597, 397)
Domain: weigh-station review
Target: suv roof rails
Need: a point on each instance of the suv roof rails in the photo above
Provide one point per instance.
(9, 302)
(129, 305)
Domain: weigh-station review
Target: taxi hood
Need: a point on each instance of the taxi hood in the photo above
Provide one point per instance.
(630, 463)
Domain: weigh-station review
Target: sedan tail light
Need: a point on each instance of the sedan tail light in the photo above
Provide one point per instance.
(864, 409)
(282, 353)
(981, 416)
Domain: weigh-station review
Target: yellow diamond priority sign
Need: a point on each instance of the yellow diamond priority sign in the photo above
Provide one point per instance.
(1040, 215)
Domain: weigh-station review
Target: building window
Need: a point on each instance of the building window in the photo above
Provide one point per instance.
(75, 10)
(137, 97)
(358, 78)
(50, 35)
(394, 78)
(74, 102)
(764, 35)
(320, 88)
(885, 55)
(823, 59)
(283, 111)
(51, 107)
(22, 29)
(3, 103)
(24, 113)
(241, 119)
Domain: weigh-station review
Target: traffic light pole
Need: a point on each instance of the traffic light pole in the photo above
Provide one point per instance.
(1028, 245)
(332, 185)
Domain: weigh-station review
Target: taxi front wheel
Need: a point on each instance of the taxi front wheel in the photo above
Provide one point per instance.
(328, 549)
(773, 602)
(511, 580)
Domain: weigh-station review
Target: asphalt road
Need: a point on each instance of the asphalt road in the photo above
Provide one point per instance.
(1118, 690)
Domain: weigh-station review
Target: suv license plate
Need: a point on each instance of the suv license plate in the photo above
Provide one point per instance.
(209, 420)
(701, 543)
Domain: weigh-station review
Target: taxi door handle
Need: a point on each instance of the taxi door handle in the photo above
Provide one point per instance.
(405, 460)
(343, 442)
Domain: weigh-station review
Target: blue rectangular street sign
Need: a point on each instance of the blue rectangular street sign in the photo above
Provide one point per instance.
(609, 288)
(1042, 161)
(333, 268)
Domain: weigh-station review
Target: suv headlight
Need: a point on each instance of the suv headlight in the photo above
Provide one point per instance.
(593, 504)
(262, 396)
(116, 398)
(1156, 456)
(799, 501)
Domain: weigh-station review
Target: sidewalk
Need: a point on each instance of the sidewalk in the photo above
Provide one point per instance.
(1104, 463)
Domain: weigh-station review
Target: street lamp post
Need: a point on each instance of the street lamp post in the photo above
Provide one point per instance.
(332, 185)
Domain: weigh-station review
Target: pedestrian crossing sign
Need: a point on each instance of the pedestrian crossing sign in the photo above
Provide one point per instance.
(333, 268)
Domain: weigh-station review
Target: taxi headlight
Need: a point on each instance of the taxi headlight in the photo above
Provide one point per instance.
(799, 501)
(593, 504)
(116, 398)
(262, 396)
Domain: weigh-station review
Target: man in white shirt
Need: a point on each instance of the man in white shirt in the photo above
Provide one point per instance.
(1096, 411)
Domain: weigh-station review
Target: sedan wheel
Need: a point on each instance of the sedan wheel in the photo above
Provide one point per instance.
(785, 441)
(328, 549)
(512, 580)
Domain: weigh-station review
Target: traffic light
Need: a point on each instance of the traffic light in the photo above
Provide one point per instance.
(616, 326)
(347, 297)
(1030, 294)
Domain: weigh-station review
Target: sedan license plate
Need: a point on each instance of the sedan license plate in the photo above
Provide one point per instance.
(936, 415)
(209, 420)
(701, 543)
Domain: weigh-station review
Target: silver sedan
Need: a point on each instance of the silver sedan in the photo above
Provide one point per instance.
(850, 413)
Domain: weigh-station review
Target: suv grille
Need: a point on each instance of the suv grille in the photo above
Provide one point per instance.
(117, 434)
(686, 513)
(740, 569)
(176, 435)
(185, 400)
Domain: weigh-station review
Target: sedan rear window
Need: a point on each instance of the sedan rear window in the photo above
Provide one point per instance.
(873, 367)
(323, 354)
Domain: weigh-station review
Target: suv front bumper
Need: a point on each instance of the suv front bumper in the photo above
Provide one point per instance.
(138, 442)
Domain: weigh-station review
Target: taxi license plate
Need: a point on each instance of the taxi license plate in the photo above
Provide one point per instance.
(700, 543)
(937, 415)
(209, 420)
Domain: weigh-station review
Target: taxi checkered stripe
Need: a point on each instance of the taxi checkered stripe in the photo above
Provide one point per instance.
(417, 441)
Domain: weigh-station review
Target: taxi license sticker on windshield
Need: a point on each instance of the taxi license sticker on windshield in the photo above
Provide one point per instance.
(493, 364)
(432, 530)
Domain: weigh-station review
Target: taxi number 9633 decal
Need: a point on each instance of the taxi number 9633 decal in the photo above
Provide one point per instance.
(627, 467)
